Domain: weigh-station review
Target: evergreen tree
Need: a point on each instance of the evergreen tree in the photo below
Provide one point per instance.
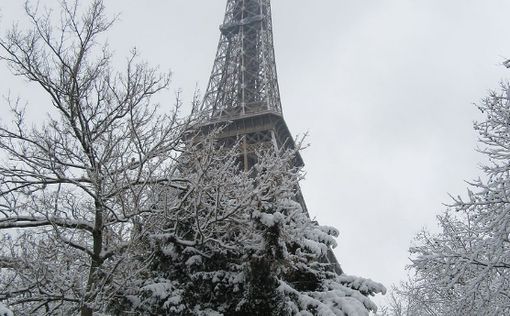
(239, 244)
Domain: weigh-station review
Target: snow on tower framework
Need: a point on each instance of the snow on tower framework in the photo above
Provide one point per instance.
(243, 94)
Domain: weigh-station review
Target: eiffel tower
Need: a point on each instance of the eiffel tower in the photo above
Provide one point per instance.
(243, 92)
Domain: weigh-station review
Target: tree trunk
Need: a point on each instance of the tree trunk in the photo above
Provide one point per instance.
(96, 259)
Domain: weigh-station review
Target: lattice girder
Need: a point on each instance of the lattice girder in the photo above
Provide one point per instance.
(244, 80)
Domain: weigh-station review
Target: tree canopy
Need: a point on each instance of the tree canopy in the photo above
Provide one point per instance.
(465, 268)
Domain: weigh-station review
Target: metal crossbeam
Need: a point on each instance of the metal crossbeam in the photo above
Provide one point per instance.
(243, 80)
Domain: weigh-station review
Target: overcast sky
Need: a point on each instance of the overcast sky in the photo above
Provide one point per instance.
(384, 88)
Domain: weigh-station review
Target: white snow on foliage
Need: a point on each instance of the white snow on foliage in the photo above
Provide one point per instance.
(194, 260)
(335, 300)
(207, 312)
(361, 284)
(4, 311)
(268, 220)
(160, 290)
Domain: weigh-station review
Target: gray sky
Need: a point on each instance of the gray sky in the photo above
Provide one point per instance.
(385, 89)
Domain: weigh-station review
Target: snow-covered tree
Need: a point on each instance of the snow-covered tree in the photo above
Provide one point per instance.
(72, 189)
(111, 206)
(238, 243)
(465, 268)
(4, 311)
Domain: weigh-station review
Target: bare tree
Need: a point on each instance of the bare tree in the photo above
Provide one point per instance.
(465, 268)
(75, 187)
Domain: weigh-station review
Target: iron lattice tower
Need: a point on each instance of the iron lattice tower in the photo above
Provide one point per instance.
(243, 79)
(243, 87)
(243, 94)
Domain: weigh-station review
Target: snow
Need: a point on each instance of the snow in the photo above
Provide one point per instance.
(362, 284)
(4, 311)
(352, 307)
(207, 312)
(194, 260)
(315, 247)
(269, 220)
(337, 301)
(160, 290)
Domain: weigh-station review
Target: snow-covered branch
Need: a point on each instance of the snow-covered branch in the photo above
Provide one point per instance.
(31, 222)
